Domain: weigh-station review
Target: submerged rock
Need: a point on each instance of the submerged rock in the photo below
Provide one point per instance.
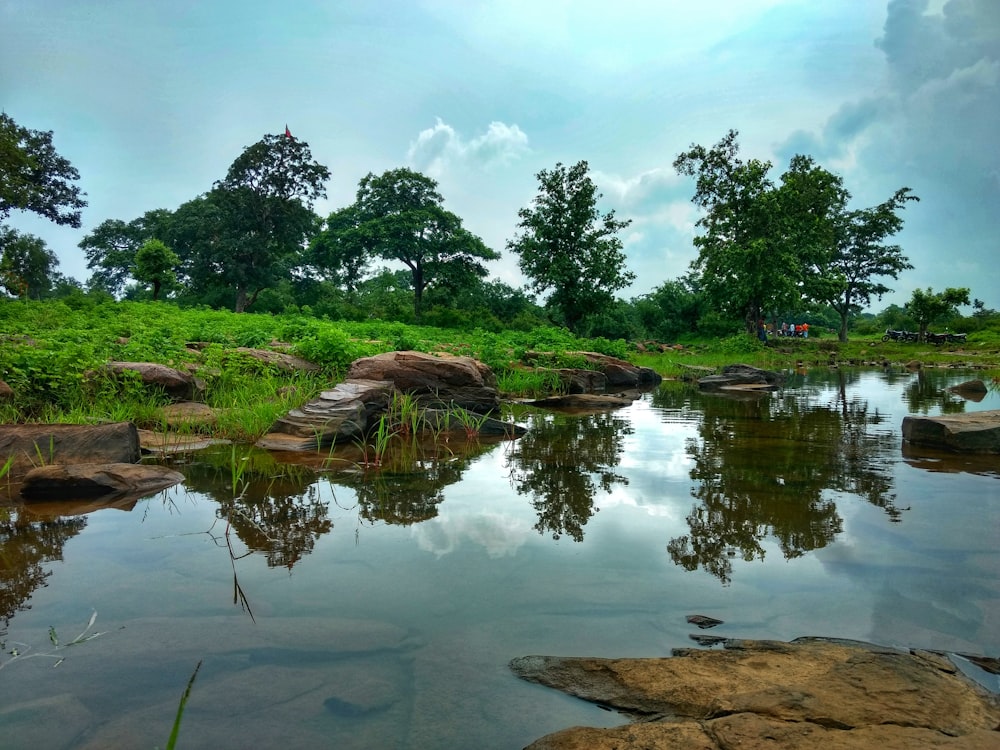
(742, 375)
(804, 694)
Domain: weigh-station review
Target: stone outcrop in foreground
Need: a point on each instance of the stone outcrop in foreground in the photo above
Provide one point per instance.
(976, 432)
(808, 693)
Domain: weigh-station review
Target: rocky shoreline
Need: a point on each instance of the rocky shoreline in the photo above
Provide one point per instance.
(807, 693)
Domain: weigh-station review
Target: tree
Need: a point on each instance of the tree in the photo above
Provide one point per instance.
(264, 216)
(568, 248)
(154, 264)
(399, 216)
(742, 270)
(34, 177)
(26, 264)
(112, 246)
(927, 307)
(860, 257)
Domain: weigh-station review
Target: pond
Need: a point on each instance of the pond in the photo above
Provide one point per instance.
(380, 609)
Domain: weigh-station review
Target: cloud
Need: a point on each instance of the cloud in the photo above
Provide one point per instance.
(929, 123)
(441, 147)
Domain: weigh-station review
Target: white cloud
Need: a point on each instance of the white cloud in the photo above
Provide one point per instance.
(441, 147)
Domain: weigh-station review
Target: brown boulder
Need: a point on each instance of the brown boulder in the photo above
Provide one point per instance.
(94, 480)
(178, 385)
(436, 380)
(33, 445)
(975, 432)
(804, 694)
(6, 392)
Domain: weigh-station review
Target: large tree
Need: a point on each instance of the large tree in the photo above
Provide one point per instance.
(399, 216)
(861, 257)
(567, 248)
(928, 308)
(27, 266)
(34, 177)
(741, 267)
(264, 208)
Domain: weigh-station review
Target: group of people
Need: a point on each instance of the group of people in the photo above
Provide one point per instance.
(794, 329)
(787, 329)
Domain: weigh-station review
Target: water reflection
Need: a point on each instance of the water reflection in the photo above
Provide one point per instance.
(562, 461)
(276, 509)
(925, 394)
(26, 546)
(772, 468)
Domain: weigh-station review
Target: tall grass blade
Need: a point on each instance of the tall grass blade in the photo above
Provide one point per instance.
(172, 742)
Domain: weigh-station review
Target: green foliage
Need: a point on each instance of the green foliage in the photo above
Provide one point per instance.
(567, 248)
(154, 264)
(399, 216)
(34, 177)
(740, 344)
(330, 348)
(26, 264)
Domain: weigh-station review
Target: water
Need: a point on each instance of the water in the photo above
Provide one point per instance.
(354, 612)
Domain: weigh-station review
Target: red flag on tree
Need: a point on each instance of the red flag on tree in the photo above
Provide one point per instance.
(288, 133)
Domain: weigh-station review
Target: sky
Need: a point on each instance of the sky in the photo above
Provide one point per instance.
(152, 101)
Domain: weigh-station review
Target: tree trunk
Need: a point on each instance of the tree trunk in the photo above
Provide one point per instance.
(241, 299)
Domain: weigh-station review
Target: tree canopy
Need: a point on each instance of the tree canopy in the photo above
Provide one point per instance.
(567, 248)
(768, 248)
(399, 216)
(928, 308)
(27, 266)
(34, 177)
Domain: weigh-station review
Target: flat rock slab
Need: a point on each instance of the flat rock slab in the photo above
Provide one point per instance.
(165, 443)
(741, 375)
(976, 432)
(754, 694)
(96, 480)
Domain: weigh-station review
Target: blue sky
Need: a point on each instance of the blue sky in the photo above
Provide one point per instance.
(152, 100)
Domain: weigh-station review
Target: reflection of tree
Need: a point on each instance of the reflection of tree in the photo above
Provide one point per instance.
(276, 508)
(25, 546)
(767, 467)
(924, 393)
(561, 461)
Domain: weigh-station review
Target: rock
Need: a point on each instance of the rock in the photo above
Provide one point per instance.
(573, 380)
(6, 392)
(343, 413)
(976, 432)
(33, 445)
(189, 414)
(621, 374)
(282, 361)
(165, 443)
(971, 390)
(178, 385)
(736, 375)
(584, 401)
(94, 480)
(440, 380)
(805, 694)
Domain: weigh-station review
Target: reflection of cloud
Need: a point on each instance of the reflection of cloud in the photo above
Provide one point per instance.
(441, 146)
(498, 534)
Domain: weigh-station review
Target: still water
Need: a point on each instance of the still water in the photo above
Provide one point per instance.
(380, 609)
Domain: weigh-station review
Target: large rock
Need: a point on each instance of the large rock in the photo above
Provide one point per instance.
(33, 445)
(436, 380)
(95, 480)
(178, 385)
(341, 414)
(976, 432)
(754, 694)
(741, 375)
(279, 360)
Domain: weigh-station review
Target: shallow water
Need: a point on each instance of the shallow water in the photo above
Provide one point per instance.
(367, 611)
